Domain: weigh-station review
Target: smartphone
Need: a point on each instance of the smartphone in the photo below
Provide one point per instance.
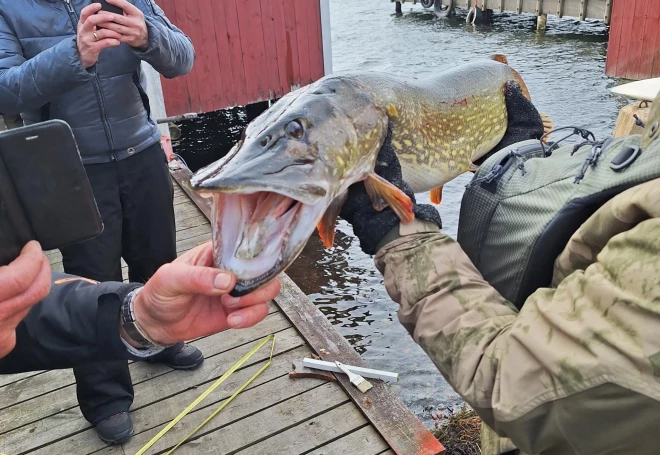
(105, 6)
(45, 194)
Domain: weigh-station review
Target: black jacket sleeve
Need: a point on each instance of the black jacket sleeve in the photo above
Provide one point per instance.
(77, 323)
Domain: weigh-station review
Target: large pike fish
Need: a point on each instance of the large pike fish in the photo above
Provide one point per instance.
(291, 170)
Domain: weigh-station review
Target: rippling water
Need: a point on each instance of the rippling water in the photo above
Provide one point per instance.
(564, 71)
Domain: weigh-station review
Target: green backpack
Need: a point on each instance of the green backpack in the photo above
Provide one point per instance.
(527, 200)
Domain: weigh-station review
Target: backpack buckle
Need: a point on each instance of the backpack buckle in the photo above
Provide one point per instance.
(625, 158)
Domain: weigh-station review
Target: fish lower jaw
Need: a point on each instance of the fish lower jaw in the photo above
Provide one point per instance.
(256, 236)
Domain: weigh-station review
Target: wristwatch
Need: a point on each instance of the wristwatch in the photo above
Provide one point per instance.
(131, 326)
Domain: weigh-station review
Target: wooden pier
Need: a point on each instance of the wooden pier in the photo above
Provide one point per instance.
(581, 9)
(274, 415)
(634, 37)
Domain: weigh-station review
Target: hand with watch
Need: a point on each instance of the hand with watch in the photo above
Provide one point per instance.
(188, 299)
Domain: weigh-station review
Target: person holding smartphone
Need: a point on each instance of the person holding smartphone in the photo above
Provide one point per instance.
(77, 61)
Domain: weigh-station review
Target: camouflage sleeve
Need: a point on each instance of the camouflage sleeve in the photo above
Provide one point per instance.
(572, 362)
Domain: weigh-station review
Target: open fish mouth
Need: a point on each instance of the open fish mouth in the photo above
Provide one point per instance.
(258, 235)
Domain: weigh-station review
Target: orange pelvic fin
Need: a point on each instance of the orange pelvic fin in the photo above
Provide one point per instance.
(384, 193)
(326, 226)
(436, 195)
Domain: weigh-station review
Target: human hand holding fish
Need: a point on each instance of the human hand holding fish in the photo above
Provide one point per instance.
(188, 299)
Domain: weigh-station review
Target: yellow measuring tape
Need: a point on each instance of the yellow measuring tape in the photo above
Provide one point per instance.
(219, 381)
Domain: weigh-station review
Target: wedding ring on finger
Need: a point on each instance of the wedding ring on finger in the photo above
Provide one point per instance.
(96, 36)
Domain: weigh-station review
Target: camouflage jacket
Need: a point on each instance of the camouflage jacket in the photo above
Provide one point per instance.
(577, 370)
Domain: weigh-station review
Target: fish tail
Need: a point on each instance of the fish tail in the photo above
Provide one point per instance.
(523, 86)
(501, 58)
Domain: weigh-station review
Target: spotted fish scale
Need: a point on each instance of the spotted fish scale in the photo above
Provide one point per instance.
(442, 124)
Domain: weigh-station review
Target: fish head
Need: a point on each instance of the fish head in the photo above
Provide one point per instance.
(274, 186)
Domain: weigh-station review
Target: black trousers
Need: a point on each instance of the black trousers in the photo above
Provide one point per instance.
(135, 199)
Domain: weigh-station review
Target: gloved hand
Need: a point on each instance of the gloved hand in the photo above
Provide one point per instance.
(524, 121)
(369, 225)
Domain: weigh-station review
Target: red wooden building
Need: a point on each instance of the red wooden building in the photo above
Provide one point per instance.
(247, 51)
(634, 45)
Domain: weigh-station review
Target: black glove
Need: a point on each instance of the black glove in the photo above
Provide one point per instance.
(524, 121)
(369, 225)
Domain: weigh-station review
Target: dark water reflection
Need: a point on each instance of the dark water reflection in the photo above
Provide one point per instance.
(564, 70)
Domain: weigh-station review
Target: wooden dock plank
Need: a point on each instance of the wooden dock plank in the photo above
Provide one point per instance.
(12, 378)
(243, 433)
(277, 388)
(149, 420)
(311, 433)
(58, 425)
(42, 384)
(365, 441)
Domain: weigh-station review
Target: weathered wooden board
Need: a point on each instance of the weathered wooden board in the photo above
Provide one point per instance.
(364, 441)
(309, 434)
(148, 421)
(245, 51)
(51, 428)
(633, 51)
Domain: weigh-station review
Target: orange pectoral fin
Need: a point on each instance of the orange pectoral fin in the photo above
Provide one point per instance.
(436, 195)
(380, 190)
(326, 226)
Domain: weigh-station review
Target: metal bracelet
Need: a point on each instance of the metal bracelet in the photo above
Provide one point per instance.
(132, 327)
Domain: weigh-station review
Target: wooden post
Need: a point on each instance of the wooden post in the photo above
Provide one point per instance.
(560, 8)
(541, 22)
(398, 8)
(541, 18)
(326, 36)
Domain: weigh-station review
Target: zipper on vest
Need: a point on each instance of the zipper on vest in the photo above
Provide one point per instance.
(97, 87)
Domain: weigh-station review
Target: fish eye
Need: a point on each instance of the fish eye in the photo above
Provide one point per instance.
(295, 129)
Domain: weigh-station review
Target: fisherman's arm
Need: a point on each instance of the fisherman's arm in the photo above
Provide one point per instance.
(80, 320)
(168, 50)
(77, 323)
(569, 364)
(29, 84)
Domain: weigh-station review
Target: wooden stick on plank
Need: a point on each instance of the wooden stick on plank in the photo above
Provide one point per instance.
(404, 433)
